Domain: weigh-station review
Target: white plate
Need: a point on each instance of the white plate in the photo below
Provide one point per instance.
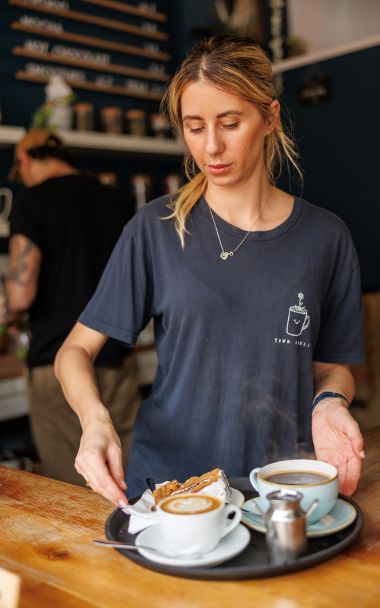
(341, 516)
(231, 545)
(237, 498)
(140, 510)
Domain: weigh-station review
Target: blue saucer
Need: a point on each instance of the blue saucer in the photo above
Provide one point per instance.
(341, 516)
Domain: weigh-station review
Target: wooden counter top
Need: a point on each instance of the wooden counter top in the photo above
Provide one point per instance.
(47, 528)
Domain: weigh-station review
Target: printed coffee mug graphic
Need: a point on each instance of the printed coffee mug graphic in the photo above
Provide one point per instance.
(298, 319)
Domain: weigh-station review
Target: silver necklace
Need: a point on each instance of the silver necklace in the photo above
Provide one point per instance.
(224, 255)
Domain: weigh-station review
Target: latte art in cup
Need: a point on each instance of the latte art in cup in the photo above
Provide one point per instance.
(193, 524)
(191, 504)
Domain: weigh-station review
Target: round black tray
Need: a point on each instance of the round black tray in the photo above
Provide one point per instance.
(253, 562)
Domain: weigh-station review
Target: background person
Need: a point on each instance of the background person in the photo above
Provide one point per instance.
(255, 297)
(64, 227)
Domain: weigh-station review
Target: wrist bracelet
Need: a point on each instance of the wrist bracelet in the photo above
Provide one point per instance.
(326, 395)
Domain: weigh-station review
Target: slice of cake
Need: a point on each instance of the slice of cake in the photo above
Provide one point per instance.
(213, 483)
(164, 491)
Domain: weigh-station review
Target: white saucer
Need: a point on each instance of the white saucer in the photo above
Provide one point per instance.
(140, 510)
(237, 498)
(341, 516)
(231, 545)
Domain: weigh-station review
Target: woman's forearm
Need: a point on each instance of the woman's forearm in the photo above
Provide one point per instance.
(74, 368)
(333, 378)
(99, 459)
(75, 371)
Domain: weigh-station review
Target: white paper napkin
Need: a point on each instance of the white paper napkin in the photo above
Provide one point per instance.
(141, 514)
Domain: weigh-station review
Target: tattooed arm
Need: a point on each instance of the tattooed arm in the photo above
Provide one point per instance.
(333, 377)
(336, 435)
(24, 268)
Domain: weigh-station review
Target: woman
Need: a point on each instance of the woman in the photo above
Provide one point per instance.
(255, 297)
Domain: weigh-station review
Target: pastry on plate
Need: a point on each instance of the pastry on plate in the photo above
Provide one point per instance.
(213, 483)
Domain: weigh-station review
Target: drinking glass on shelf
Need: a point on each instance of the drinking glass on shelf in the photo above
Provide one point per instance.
(141, 190)
(173, 182)
(160, 126)
(108, 179)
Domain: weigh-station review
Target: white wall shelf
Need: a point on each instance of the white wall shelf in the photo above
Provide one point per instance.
(323, 54)
(102, 141)
(10, 135)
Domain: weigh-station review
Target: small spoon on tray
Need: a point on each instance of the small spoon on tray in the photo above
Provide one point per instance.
(115, 544)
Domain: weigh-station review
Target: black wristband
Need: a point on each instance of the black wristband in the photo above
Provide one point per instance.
(326, 395)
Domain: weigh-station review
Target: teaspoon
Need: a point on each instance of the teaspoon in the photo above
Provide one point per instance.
(115, 544)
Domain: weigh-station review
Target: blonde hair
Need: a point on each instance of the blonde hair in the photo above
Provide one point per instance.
(240, 67)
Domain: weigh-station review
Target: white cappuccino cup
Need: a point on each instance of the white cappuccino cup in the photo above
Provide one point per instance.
(193, 524)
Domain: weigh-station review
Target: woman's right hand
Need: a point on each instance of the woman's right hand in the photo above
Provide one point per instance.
(99, 461)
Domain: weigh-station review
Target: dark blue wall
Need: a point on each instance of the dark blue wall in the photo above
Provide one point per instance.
(339, 146)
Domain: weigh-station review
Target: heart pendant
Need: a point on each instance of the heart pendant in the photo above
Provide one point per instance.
(224, 255)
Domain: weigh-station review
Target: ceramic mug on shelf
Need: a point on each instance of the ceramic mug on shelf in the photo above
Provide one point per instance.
(193, 524)
(313, 478)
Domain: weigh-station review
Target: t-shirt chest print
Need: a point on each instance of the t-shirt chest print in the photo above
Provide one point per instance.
(298, 321)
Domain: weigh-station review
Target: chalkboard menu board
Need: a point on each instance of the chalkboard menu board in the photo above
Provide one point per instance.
(110, 52)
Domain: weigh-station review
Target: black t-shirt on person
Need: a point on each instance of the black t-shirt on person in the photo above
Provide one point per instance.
(76, 222)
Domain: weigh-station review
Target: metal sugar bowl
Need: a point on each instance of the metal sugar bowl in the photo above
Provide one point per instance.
(286, 524)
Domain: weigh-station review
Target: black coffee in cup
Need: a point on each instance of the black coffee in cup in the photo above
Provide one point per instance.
(297, 478)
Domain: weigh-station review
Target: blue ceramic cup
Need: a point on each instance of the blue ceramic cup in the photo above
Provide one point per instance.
(313, 478)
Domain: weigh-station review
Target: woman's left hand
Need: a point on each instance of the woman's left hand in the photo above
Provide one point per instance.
(338, 441)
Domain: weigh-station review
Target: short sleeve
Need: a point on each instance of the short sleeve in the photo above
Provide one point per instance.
(122, 304)
(24, 220)
(340, 337)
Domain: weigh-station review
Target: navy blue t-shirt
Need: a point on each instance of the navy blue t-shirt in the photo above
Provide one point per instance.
(235, 338)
